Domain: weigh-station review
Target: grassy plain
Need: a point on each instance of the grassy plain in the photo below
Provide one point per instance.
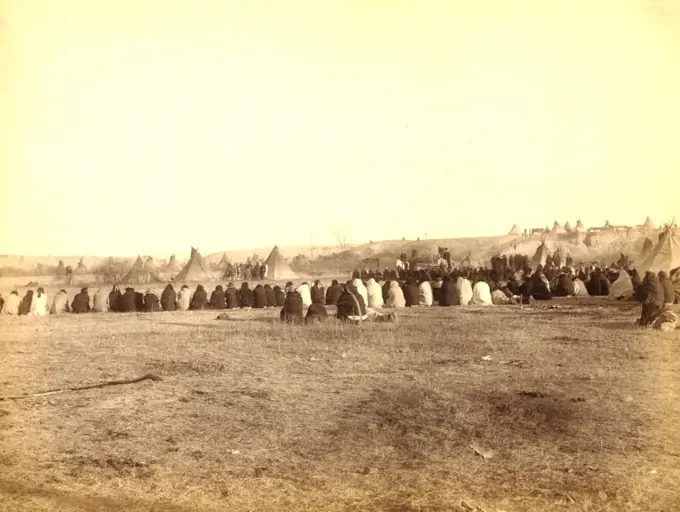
(580, 407)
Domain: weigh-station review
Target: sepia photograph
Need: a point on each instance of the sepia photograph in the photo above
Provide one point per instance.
(340, 255)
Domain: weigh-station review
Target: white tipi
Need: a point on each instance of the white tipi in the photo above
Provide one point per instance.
(196, 269)
(277, 267)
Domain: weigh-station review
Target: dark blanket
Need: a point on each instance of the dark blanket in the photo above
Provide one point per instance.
(81, 303)
(271, 296)
(200, 299)
(129, 302)
(350, 304)
(539, 290)
(115, 301)
(411, 294)
(232, 298)
(318, 295)
(598, 285)
(333, 294)
(449, 294)
(139, 301)
(169, 299)
(218, 299)
(25, 304)
(291, 312)
(259, 297)
(247, 297)
(280, 296)
(316, 313)
(564, 286)
(151, 303)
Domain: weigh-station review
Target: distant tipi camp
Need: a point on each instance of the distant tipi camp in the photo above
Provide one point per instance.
(514, 230)
(141, 273)
(557, 229)
(196, 269)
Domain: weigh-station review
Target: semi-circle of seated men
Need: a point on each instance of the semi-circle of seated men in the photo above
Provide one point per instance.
(509, 280)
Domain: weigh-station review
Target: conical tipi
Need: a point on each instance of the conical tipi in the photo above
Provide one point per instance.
(224, 261)
(277, 267)
(467, 261)
(557, 229)
(140, 274)
(514, 230)
(196, 269)
(664, 256)
(579, 226)
(648, 224)
(81, 268)
(540, 256)
(607, 225)
(172, 265)
(567, 227)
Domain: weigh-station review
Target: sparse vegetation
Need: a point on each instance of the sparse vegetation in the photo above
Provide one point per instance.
(579, 406)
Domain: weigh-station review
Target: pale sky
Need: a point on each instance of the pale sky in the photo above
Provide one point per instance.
(135, 126)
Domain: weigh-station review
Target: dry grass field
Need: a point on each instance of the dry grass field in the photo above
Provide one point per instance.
(580, 408)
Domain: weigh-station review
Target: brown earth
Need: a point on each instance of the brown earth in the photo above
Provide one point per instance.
(579, 406)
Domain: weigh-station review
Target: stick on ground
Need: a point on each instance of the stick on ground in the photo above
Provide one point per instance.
(148, 376)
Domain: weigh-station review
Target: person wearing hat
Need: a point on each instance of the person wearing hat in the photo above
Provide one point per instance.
(151, 302)
(81, 302)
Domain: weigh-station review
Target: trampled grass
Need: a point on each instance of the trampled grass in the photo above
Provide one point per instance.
(580, 407)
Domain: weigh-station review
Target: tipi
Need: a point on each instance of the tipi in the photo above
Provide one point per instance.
(467, 261)
(607, 225)
(172, 265)
(567, 227)
(514, 230)
(81, 268)
(664, 256)
(140, 274)
(277, 267)
(540, 256)
(196, 269)
(648, 224)
(579, 226)
(224, 261)
(557, 229)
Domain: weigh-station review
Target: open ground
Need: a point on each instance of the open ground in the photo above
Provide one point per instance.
(579, 406)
